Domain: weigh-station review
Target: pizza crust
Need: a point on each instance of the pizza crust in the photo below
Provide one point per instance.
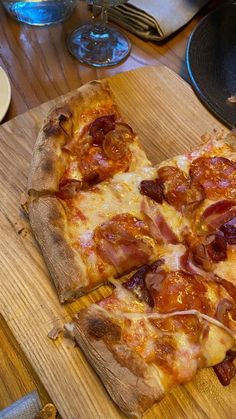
(73, 113)
(132, 384)
(48, 221)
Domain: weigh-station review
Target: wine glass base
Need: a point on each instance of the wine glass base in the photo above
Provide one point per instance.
(98, 48)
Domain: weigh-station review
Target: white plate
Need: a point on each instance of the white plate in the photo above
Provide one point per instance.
(5, 93)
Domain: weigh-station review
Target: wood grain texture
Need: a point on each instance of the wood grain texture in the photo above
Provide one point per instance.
(14, 363)
(169, 119)
(40, 67)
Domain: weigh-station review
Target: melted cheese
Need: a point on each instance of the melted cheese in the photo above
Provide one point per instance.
(226, 268)
(186, 357)
(135, 316)
(154, 377)
(182, 162)
(119, 195)
(217, 343)
(172, 253)
(139, 158)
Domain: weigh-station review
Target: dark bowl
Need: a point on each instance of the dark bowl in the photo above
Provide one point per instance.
(211, 61)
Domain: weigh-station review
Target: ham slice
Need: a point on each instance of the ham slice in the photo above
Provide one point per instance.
(219, 213)
(158, 227)
(124, 242)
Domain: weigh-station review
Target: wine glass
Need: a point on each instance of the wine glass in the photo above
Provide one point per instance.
(96, 43)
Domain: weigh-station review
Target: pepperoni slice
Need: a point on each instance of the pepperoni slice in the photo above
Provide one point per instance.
(95, 164)
(114, 146)
(175, 185)
(179, 191)
(181, 291)
(217, 175)
(100, 127)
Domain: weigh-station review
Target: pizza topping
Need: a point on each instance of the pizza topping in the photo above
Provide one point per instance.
(165, 352)
(229, 287)
(137, 285)
(157, 224)
(69, 189)
(226, 370)
(181, 291)
(112, 136)
(141, 282)
(229, 231)
(162, 316)
(153, 189)
(100, 151)
(114, 312)
(179, 191)
(201, 257)
(154, 278)
(222, 310)
(95, 164)
(188, 262)
(217, 248)
(115, 143)
(204, 251)
(188, 324)
(78, 144)
(114, 146)
(100, 127)
(218, 213)
(124, 242)
(217, 175)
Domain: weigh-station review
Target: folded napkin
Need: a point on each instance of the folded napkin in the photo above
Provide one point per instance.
(25, 408)
(155, 19)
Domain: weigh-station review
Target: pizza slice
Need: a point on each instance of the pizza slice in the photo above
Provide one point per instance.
(103, 232)
(155, 331)
(200, 187)
(83, 141)
(86, 208)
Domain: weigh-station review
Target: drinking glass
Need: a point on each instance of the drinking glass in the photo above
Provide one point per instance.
(97, 43)
(39, 12)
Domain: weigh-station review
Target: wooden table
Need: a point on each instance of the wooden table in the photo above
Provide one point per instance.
(40, 68)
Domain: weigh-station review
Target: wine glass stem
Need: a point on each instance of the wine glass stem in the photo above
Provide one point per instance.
(100, 10)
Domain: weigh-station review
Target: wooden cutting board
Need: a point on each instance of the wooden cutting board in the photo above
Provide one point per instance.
(169, 119)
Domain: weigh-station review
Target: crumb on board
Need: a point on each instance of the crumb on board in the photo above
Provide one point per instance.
(21, 230)
(24, 202)
(69, 337)
(49, 411)
(55, 332)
